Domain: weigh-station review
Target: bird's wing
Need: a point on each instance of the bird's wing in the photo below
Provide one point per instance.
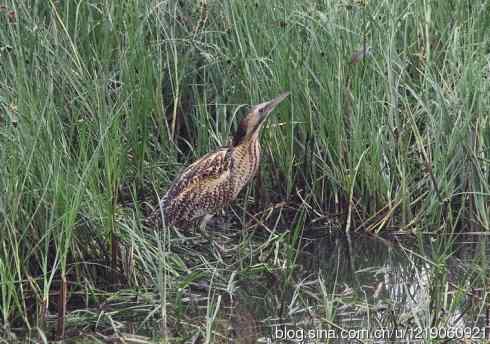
(204, 186)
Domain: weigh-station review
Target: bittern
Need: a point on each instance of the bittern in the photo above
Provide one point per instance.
(215, 180)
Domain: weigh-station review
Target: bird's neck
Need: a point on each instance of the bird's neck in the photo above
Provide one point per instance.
(248, 150)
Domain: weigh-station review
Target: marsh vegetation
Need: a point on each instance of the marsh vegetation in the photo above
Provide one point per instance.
(371, 209)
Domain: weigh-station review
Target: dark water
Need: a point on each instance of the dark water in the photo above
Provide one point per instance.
(398, 289)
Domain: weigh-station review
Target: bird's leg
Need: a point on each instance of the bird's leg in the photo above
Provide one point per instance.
(202, 227)
(217, 221)
(204, 222)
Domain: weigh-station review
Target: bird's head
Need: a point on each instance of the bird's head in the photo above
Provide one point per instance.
(250, 125)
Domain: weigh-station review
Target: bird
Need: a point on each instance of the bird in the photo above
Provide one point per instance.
(213, 181)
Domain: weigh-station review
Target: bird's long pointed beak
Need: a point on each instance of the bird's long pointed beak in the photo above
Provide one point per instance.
(271, 104)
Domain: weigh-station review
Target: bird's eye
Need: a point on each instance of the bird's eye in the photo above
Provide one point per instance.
(261, 110)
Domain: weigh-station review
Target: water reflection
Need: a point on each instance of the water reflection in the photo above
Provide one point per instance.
(411, 288)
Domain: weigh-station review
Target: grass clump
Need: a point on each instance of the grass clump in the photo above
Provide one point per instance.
(386, 130)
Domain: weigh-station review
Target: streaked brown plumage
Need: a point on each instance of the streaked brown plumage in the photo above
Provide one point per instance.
(214, 181)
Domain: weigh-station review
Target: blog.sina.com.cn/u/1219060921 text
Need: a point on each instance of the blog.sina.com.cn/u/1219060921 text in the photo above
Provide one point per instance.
(312, 335)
